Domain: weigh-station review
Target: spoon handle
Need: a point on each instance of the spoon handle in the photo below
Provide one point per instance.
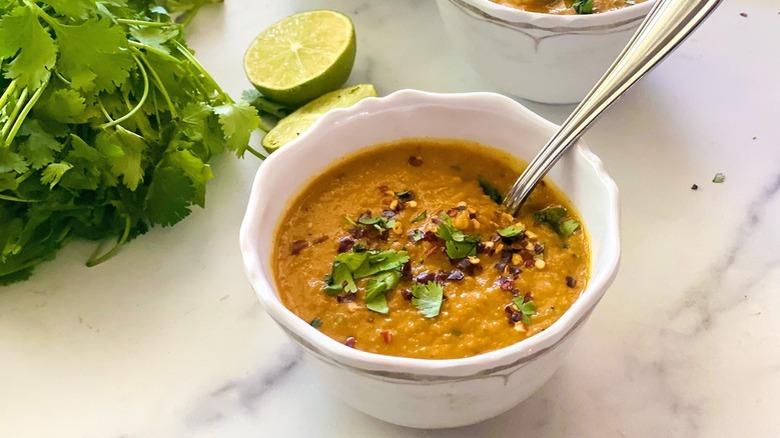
(667, 24)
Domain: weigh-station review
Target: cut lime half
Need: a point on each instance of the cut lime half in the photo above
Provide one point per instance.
(302, 56)
(299, 121)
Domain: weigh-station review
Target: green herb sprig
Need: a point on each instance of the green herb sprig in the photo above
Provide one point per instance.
(457, 244)
(107, 122)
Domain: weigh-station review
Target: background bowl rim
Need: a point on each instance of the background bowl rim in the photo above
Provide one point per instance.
(541, 18)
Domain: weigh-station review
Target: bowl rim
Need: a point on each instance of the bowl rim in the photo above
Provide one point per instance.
(303, 333)
(545, 19)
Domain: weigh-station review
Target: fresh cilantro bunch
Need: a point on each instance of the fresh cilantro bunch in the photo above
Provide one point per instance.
(107, 122)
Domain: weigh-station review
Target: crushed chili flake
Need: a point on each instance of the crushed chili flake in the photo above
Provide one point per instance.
(506, 283)
(456, 275)
(345, 244)
(387, 336)
(406, 294)
(743, 14)
(425, 277)
(347, 298)
(298, 246)
(320, 239)
(382, 189)
(570, 281)
(350, 342)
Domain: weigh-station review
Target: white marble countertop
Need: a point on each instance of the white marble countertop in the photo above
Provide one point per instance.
(168, 340)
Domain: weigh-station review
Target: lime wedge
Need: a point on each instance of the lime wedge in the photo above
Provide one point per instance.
(299, 121)
(302, 56)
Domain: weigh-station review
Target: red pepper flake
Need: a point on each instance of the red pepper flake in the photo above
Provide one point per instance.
(320, 239)
(506, 283)
(743, 14)
(407, 294)
(570, 281)
(347, 298)
(345, 244)
(350, 342)
(298, 246)
(382, 189)
(415, 161)
(387, 336)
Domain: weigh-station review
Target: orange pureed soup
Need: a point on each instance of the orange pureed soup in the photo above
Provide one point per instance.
(565, 7)
(403, 249)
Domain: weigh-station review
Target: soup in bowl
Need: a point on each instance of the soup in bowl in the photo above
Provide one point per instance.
(376, 242)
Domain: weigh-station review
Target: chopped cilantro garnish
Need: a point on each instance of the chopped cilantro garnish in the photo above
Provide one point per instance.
(555, 218)
(422, 216)
(418, 235)
(719, 178)
(457, 244)
(568, 227)
(381, 261)
(527, 309)
(583, 6)
(378, 222)
(511, 231)
(339, 280)
(316, 323)
(383, 268)
(490, 190)
(359, 247)
(427, 298)
(376, 288)
(350, 221)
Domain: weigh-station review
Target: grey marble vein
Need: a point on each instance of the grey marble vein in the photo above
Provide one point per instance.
(243, 395)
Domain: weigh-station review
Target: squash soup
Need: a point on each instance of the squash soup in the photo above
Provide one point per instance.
(566, 7)
(404, 250)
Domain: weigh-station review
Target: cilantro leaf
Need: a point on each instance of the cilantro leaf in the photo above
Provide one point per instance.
(381, 261)
(21, 34)
(583, 6)
(64, 106)
(377, 287)
(52, 174)
(422, 216)
(124, 150)
(528, 309)
(73, 8)
(490, 190)
(556, 218)
(93, 55)
(427, 298)
(340, 280)
(353, 260)
(168, 199)
(40, 147)
(238, 120)
(511, 231)
(457, 245)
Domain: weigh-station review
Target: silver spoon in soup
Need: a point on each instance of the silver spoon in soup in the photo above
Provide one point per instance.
(667, 24)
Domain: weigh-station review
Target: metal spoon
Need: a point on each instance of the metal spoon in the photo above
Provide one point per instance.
(667, 24)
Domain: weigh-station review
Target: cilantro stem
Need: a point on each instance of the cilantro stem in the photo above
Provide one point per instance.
(94, 261)
(23, 114)
(158, 83)
(41, 13)
(15, 112)
(187, 54)
(154, 50)
(15, 199)
(189, 16)
(103, 109)
(8, 92)
(144, 23)
(141, 101)
(255, 153)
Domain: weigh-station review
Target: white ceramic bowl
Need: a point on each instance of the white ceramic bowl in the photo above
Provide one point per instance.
(541, 57)
(418, 392)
